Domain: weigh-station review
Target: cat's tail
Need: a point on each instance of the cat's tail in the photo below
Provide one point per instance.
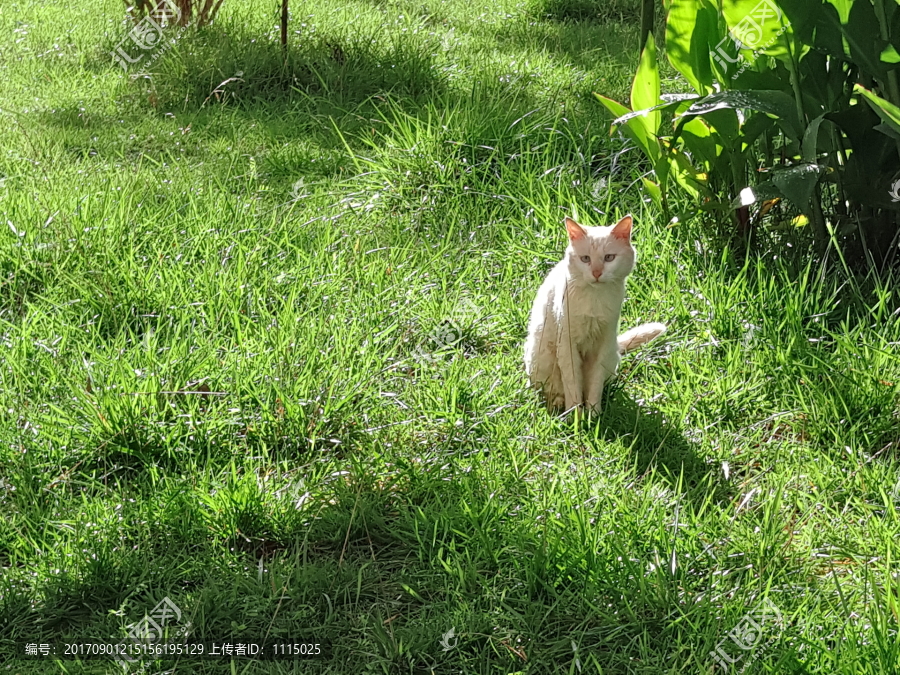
(639, 335)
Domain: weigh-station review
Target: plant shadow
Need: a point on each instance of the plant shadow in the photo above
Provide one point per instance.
(309, 109)
(228, 64)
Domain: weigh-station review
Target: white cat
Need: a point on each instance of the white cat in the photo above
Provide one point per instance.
(573, 346)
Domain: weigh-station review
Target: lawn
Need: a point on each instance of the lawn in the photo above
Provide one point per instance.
(261, 329)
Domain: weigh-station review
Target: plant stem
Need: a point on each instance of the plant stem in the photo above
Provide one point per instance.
(815, 203)
(648, 18)
(795, 82)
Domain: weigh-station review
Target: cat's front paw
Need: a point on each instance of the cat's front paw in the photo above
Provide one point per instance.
(557, 402)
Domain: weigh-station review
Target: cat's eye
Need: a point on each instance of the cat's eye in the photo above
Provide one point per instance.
(609, 257)
(585, 258)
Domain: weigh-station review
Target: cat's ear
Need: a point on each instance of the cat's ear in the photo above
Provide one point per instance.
(575, 230)
(622, 229)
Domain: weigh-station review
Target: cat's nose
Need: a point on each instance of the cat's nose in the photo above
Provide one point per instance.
(597, 274)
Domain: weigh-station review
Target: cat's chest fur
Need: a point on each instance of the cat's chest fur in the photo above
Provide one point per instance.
(590, 316)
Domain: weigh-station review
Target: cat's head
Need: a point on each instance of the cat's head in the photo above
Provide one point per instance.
(598, 255)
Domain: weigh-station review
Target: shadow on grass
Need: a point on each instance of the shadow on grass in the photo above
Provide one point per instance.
(227, 64)
(327, 75)
(293, 95)
(307, 115)
(656, 442)
(384, 564)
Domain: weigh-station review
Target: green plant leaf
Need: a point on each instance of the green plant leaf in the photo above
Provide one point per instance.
(760, 27)
(887, 111)
(685, 174)
(847, 29)
(645, 88)
(633, 128)
(691, 32)
(843, 8)
(614, 107)
(772, 102)
(661, 168)
(889, 55)
(682, 102)
(726, 125)
(817, 24)
(823, 86)
(753, 127)
(798, 182)
(860, 32)
(887, 131)
(811, 139)
(699, 141)
(653, 190)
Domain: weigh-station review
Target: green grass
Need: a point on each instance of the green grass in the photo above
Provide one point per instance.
(213, 310)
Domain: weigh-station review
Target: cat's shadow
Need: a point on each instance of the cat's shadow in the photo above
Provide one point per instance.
(656, 442)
